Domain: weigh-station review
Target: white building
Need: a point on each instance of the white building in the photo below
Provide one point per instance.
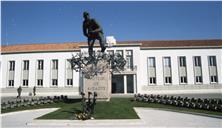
(158, 67)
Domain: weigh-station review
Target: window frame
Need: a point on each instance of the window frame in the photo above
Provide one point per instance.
(11, 65)
(55, 65)
(153, 65)
(55, 82)
(197, 61)
(40, 81)
(152, 80)
(129, 58)
(25, 82)
(11, 83)
(165, 64)
(183, 79)
(69, 82)
(25, 65)
(40, 64)
(166, 80)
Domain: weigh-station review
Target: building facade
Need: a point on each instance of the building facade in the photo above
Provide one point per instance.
(153, 67)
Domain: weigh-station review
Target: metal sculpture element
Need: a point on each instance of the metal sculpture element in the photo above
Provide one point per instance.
(88, 104)
(90, 66)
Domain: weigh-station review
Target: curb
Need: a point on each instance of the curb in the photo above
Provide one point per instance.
(117, 122)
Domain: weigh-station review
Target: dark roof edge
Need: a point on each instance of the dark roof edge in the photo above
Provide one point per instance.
(41, 51)
(129, 41)
(183, 47)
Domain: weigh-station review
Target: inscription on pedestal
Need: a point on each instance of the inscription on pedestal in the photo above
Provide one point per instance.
(100, 83)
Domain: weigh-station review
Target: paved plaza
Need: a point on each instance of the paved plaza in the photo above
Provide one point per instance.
(148, 118)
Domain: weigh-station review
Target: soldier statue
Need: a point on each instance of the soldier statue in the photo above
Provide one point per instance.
(93, 31)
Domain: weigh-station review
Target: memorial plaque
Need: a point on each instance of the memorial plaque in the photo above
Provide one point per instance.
(99, 83)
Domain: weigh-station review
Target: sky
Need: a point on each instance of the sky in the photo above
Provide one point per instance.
(30, 22)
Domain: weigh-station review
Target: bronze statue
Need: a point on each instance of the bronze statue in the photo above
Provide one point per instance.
(92, 30)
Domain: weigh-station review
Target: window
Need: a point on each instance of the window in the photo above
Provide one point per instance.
(129, 59)
(168, 80)
(40, 64)
(39, 82)
(11, 83)
(110, 52)
(198, 70)
(69, 64)
(11, 65)
(197, 61)
(152, 80)
(167, 62)
(212, 69)
(128, 62)
(25, 83)
(182, 61)
(54, 82)
(213, 79)
(212, 60)
(199, 79)
(183, 79)
(182, 70)
(25, 65)
(120, 52)
(69, 81)
(151, 62)
(54, 64)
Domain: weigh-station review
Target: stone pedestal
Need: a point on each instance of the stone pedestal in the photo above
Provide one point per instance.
(99, 83)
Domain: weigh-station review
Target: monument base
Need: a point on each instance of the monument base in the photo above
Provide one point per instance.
(99, 83)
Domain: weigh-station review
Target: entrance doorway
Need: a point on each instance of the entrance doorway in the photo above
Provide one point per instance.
(130, 82)
(123, 84)
(117, 84)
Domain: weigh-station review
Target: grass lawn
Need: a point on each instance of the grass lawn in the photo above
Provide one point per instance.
(117, 108)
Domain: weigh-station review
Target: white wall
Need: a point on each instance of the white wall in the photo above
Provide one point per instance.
(219, 65)
(139, 59)
(174, 53)
(1, 75)
(33, 57)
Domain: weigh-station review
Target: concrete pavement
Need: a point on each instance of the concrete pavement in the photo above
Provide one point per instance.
(19, 119)
(163, 118)
(148, 118)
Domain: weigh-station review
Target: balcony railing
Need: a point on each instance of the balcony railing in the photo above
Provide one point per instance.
(130, 68)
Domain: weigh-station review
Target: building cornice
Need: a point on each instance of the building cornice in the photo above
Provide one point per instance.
(41, 51)
(116, 45)
(184, 47)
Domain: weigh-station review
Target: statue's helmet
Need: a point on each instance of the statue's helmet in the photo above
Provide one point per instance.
(85, 13)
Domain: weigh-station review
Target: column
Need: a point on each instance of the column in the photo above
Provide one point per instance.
(125, 84)
(174, 70)
(47, 72)
(61, 73)
(134, 84)
(205, 70)
(190, 70)
(32, 73)
(18, 73)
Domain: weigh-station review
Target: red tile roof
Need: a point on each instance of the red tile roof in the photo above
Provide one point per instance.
(39, 47)
(144, 44)
(176, 43)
